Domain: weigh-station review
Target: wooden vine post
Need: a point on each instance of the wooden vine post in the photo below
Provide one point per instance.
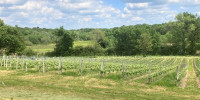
(102, 68)
(123, 69)
(60, 65)
(23, 64)
(140, 63)
(160, 67)
(2, 61)
(10, 59)
(26, 65)
(149, 77)
(43, 66)
(81, 65)
(39, 65)
(17, 62)
(6, 62)
(177, 75)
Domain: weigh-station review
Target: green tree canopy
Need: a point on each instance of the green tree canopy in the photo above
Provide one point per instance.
(126, 40)
(1, 23)
(145, 44)
(64, 44)
(185, 33)
(11, 40)
(100, 38)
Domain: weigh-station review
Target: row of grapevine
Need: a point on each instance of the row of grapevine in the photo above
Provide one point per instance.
(126, 66)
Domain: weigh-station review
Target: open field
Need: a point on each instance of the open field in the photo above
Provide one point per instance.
(100, 78)
(43, 48)
(83, 43)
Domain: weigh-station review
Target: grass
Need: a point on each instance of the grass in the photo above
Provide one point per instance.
(83, 43)
(43, 48)
(115, 77)
(10, 94)
(167, 81)
(70, 74)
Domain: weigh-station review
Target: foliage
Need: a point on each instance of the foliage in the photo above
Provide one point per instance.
(126, 40)
(86, 51)
(38, 35)
(145, 44)
(100, 38)
(179, 37)
(64, 44)
(100, 41)
(28, 52)
(184, 33)
(11, 40)
(1, 23)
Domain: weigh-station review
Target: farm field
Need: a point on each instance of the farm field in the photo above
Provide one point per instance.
(44, 48)
(97, 78)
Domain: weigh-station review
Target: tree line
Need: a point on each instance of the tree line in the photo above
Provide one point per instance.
(179, 37)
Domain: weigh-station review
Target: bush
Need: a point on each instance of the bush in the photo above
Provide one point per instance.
(110, 51)
(87, 51)
(198, 46)
(28, 52)
(28, 43)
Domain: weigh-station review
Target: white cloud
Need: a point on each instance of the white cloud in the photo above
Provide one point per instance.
(30, 5)
(147, 12)
(91, 13)
(10, 1)
(198, 13)
(182, 7)
(38, 20)
(174, 1)
(51, 12)
(38, 9)
(185, 2)
(1, 9)
(87, 19)
(24, 14)
(137, 5)
(197, 1)
(137, 19)
(63, 12)
(78, 4)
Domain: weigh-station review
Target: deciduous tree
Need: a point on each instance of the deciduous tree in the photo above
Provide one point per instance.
(145, 44)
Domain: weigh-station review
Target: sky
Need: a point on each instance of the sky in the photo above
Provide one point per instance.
(77, 14)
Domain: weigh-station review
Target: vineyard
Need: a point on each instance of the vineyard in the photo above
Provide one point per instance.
(153, 67)
(150, 71)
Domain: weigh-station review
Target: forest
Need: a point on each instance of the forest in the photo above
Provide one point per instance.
(178, 37)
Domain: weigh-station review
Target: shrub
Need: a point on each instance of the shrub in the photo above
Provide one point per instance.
(28, 52)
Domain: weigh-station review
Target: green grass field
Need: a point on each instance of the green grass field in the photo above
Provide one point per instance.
(83, 43)
(43, 48)
(34, 85)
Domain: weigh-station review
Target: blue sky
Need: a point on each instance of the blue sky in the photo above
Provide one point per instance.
(76, 14)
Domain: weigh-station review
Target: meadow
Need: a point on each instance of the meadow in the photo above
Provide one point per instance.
(44, 48)
(86, 78)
